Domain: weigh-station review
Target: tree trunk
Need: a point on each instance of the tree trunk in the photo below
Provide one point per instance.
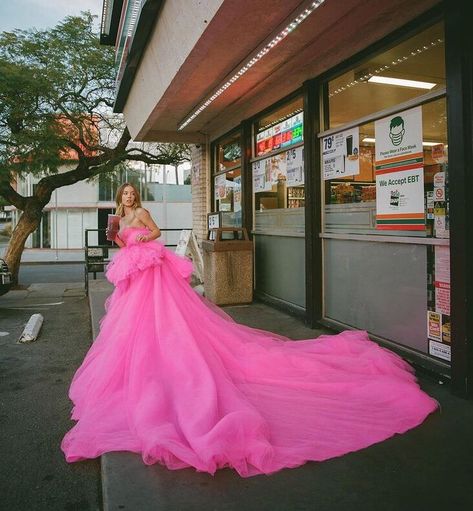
(177, 174)
(28, 223)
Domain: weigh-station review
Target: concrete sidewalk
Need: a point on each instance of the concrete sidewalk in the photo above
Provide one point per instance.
(428, 468)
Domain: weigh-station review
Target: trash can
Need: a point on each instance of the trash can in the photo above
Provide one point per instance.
(228, 267)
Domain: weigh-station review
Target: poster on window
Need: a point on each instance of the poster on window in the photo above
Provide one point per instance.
(440, 350)
(220, 187)
(341, 154)
(442, 279)
(237, 194)
(400, 172)
(258, 176)
(268, 174)
(295, 166)
(278, 168)
(400, 200)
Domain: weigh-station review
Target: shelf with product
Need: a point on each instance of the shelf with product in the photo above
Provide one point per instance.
(347, 192)
(295, 196)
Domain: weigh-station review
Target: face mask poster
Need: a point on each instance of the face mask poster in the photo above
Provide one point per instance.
(400, 172)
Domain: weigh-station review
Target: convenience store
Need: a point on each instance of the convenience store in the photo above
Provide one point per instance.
(347, 157)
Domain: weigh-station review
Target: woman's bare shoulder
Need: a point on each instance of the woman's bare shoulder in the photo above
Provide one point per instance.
(141, 212)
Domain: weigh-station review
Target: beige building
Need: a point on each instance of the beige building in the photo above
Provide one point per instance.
(339, 135)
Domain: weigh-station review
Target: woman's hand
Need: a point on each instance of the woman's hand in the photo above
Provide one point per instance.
(107, 232)
(142, 237)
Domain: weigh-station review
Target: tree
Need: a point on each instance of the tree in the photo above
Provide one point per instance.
(56, 92)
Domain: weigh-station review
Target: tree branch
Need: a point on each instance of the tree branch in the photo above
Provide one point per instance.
(12, 196)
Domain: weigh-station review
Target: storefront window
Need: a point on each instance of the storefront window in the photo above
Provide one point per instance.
(402, 73)
(227, 180)
(278, 167)
(385, 186)
(415, 181)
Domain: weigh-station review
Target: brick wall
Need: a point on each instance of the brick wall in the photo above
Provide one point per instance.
(200, 179)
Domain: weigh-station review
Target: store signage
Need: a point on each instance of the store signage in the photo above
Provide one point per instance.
(220, 187)
(442, 279)
(341, 154)
(438, 153)
(237, 194)
(438, 320)
(399, 172)
(286, 166)
(295, 166)
(258, 176)
(283, 134)
(440, 350)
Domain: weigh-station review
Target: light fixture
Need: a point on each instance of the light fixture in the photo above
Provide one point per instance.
(363, 76)
(400, 82)
(254, 58)
(370, 140)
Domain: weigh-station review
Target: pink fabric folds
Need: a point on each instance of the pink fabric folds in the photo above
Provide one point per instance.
(179, 382)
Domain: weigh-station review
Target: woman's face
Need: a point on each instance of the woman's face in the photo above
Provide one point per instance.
(128, 196)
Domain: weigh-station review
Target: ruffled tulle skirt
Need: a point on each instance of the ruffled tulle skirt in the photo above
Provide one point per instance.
(175, 379)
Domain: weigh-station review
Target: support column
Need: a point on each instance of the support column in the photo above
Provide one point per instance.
(200, 182)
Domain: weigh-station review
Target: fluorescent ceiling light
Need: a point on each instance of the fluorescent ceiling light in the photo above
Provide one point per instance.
(426, 143)
(387, 80)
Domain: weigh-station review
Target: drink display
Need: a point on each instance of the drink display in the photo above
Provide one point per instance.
(113, 225)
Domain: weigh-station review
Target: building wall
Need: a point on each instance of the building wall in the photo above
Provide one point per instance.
(201, 200)
(74, 208)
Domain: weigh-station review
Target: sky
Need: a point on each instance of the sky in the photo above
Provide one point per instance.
(42, 14)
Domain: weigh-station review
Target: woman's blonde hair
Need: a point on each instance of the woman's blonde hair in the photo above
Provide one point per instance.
(118, 199)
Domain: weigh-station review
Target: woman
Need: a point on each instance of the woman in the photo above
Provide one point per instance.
(172, 377)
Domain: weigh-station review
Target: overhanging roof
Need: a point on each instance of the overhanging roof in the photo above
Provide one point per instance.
(332, 33)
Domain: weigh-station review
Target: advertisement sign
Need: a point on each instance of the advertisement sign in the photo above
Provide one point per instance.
(439, 350)
(442, 280)
(258, 176)
(399, 172)
(220, 188)
(438, 153)
(284, 134)
(278, 168)
(341, 154)
(438, 320)
(297, 128)
(295, 166)
(434, 325)
(237, 194)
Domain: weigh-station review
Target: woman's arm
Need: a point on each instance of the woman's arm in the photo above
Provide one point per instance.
(118, 241)
(144, 217)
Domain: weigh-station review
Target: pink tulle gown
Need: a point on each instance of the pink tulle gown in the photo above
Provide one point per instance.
(177, 380)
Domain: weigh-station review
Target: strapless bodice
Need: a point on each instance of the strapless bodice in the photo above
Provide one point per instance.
(128, 234)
